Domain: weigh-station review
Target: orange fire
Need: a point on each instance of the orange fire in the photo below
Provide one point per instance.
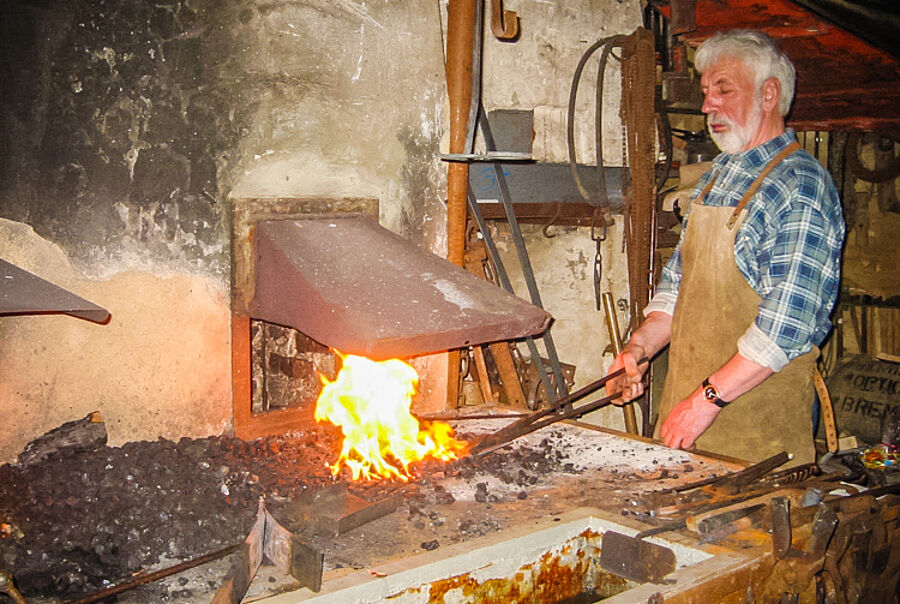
(370, 401)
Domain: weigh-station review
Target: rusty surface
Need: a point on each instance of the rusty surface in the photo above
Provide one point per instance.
(353, 285)
(557, 576)
(638, 81)
(24, 293)
(843, 81)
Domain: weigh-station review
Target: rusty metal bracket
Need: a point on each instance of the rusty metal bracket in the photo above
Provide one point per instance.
(504, 23)
(329, 511)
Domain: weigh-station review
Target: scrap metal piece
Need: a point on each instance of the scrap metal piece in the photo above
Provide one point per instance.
(824, 524)
(352, 284)
(24, 293)
(714, 529)
(332, 510)
(635, 559)
(293, 555)
(781, 526)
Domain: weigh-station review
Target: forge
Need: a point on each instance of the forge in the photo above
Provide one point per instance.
(526, 525)
(150, 505)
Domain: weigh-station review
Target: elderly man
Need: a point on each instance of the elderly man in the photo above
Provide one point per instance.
(746, 297)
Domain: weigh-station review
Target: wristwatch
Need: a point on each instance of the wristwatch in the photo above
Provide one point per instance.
(711, 394)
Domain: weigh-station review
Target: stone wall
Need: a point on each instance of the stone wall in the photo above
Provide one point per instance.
(127, 128)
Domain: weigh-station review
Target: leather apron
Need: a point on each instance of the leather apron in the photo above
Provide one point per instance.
(715, 307)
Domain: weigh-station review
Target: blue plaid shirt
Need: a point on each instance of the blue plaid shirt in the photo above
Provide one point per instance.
(788, 248)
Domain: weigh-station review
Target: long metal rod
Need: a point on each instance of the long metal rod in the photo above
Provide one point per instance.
(477, 43)
(507, 285)
(527, 423)
(154, 576)
(522, 252)
(476, 115)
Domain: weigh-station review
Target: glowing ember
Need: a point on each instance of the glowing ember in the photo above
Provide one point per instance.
(370, 402)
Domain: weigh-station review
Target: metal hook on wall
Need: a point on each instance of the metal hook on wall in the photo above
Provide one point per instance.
(504, 24)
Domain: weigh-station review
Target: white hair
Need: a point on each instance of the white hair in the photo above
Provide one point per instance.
(758, 52)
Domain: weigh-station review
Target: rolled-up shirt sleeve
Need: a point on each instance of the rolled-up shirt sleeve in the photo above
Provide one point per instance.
(662, 302)
(666, 291)
(758, 347)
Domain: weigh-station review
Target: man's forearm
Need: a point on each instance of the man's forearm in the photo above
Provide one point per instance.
(737, 376)
(653, 334)
(694, 414)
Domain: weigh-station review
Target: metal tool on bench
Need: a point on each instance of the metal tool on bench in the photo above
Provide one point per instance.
(560, 410)
(638, 560)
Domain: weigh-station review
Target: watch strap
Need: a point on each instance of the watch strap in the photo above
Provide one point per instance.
(711, 393)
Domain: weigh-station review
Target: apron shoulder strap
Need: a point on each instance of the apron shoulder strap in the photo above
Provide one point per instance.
(794, 146)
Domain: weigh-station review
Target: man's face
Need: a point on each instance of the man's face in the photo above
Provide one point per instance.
(732, 104)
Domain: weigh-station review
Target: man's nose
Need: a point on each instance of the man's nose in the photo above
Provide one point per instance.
(709, 103)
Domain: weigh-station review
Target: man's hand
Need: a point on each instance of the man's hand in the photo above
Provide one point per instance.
(646, 341)
(631, 384)
(688, 420)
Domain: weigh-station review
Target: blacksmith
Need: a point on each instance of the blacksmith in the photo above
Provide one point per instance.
(746, 297)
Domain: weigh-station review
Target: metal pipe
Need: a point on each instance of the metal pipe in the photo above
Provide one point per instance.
(460, 40)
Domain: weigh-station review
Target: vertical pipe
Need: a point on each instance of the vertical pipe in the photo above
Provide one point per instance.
(460, 38)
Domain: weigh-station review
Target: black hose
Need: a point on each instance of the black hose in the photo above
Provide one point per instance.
(608, 44)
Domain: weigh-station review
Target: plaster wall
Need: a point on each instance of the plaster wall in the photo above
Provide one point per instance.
(564, 271)
(536, 72)
(157, 369)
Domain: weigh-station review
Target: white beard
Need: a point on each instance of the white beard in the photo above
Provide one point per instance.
(735, 137)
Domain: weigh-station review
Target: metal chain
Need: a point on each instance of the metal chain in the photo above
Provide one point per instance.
(598, 236)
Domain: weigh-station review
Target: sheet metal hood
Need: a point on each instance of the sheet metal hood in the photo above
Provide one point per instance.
(353, 285)
(24, 293)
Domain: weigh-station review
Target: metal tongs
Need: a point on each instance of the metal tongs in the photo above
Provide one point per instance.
(558, 411)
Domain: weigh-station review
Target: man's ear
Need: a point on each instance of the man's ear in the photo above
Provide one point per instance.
(771, 93)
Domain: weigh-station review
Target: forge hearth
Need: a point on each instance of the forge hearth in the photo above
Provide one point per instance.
(87, 519)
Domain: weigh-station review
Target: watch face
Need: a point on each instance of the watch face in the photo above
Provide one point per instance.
(710, 393)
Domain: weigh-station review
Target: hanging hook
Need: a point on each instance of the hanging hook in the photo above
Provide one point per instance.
(504, 24)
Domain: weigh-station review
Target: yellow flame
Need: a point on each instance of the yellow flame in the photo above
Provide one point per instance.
(370, 401)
